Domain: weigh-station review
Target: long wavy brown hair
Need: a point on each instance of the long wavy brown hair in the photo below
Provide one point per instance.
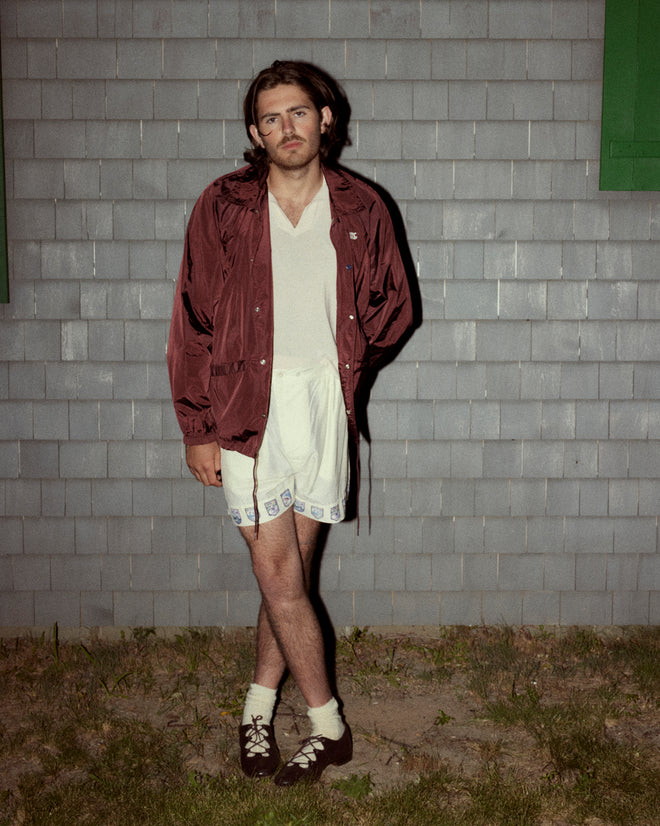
(322, 89)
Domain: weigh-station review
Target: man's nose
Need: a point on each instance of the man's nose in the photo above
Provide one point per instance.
(287, 123)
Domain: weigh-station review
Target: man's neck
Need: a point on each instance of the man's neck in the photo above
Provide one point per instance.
(295, 184)
(295, 188)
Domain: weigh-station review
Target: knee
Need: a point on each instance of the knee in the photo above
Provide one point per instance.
(265, 571)
(278, 580)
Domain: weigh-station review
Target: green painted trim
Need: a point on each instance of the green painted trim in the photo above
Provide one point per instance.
(630, 135)
(4, 261)
(634, 149)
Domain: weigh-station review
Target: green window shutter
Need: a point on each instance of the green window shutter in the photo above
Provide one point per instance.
(4, 268)
(630, 137)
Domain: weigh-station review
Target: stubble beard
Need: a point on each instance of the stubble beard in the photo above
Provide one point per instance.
(291, 161)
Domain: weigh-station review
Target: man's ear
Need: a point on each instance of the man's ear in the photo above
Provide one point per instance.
(326, 118)
(256, 138)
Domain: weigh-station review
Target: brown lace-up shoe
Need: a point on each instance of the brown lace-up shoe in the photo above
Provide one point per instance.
(314, 755)
(260, 756)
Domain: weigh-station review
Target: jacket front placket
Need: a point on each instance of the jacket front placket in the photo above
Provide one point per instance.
(260, 289)
(347, 321)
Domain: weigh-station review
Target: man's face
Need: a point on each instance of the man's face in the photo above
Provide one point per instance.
(289, 126)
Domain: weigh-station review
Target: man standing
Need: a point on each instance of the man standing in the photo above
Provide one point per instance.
(291, 287)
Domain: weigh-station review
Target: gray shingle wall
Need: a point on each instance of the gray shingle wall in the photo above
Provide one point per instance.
(516, 440)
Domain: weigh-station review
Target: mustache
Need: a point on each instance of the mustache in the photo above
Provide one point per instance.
(290, 138)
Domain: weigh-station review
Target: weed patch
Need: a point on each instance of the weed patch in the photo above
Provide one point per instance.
(469, 727)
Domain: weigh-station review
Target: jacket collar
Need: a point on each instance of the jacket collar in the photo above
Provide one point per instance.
(247, 188)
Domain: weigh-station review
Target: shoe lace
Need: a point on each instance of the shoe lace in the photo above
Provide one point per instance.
(256, 738)
(306, 754)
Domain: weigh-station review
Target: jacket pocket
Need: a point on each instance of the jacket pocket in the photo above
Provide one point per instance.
(228, 368)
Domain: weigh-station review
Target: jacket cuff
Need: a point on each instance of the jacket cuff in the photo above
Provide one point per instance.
(200, 438)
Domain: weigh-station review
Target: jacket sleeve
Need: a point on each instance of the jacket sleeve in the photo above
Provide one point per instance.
(190, 344)
(388, 314)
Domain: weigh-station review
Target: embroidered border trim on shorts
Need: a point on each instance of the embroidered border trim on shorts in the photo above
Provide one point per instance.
(273, 507)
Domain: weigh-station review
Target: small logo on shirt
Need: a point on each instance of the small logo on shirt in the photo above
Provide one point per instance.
(287, 498)
(352, 236)
(236, 516)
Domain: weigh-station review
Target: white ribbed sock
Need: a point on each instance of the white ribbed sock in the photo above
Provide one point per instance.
(259, 702)
(326, 721)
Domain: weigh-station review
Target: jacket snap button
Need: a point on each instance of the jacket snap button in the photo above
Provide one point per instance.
(348, 366)
(351, 317)
(263, 361)
(256, 309)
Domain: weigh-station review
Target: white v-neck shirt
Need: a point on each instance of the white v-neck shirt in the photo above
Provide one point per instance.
(304, 284)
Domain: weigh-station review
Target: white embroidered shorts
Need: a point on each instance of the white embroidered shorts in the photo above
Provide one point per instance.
(303, 459)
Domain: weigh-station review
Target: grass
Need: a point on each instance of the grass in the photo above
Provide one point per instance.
(143, 731)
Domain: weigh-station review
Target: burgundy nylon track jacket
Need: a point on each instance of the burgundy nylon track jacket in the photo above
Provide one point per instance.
(221, 337)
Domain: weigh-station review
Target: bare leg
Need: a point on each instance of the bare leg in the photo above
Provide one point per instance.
(288, 632)
(271, 665)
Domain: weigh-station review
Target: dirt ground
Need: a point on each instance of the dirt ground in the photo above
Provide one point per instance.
(410, 714)
(394, 722)
(396, 735)
(405, 722)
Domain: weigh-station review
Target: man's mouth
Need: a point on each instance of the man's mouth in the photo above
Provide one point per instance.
(291, 143)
